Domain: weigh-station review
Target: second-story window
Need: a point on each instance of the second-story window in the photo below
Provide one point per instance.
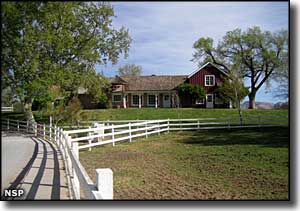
(209, 80)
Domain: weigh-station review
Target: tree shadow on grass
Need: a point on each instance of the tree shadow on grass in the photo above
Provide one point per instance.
(267, 137)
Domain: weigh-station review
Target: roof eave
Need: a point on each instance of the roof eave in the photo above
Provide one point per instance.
(197, 70)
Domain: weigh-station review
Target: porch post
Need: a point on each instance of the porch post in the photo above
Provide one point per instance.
(156, 100)
(230, 104)
(140, 101)
(124, 101)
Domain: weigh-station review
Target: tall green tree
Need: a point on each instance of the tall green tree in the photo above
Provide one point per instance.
(259, 53)
(130, 70)
(281, 91)
(233, 90)
(53, 43)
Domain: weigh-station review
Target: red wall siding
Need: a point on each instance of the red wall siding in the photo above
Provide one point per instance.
(199, 77)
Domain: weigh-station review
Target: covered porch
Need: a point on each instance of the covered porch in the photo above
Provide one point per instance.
(139, 99)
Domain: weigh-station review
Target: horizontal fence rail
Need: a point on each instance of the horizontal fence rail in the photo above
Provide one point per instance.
(78, 179)
(110, 132)
(7, 109)
(88, 134)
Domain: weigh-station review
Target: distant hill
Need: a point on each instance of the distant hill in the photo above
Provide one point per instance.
(259, 105)
(281, 105)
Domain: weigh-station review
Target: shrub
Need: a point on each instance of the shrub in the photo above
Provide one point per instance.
(194, 91)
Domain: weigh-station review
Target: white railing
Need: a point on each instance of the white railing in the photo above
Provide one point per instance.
(126, 130)
(115, 133)
(7, 109)
(78, 179)
(70, 141)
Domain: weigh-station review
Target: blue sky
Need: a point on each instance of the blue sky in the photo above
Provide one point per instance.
(163, 33)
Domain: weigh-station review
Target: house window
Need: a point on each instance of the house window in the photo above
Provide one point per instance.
(135, 100)
(117, 98)
(151, 99)
(200, 101)
(209, 80)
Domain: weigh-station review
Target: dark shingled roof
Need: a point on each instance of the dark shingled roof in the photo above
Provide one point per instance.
(117, 80)
(153, 83)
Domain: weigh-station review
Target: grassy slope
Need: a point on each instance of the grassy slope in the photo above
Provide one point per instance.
(152, 113)
(164, 113)
(215, 164)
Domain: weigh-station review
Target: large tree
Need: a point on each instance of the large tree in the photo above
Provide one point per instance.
(130, 70)
(259, 53)
(52, 44)
(233, 90)
(282, 88)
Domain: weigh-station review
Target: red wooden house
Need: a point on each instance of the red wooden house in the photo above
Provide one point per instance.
(160, 91)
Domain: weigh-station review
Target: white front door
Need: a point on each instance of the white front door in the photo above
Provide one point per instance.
(209, 101)
(166, 101)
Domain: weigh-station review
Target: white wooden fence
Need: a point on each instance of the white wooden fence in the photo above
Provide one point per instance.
(125, 130)
(78, 179)
(115, 133)
(110, 132)
(7, 109)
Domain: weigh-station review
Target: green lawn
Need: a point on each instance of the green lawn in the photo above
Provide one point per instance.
(173, 113)
(160, 113)
(208, 164)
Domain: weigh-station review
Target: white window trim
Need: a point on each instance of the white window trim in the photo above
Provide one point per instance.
(148, 100)
(198, 102)
(212, 97)
(214, 80)
(138, 101)
(114, 99)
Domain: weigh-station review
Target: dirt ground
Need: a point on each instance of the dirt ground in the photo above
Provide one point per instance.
(165, 168)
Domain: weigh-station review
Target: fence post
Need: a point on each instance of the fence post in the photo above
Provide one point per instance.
(60, 137)
(8, 124)
(50, 128)
(168, 125)
(55, 133)
(75, 177)
(35, 129)
(228, 123)
(27, 126)
(113, 134)
(130, 139)
(198, 124)
(158, 129)
(58, 140)
(18, 125)
(44, 131)
(146, 129)
(105, 183)
(90, 140)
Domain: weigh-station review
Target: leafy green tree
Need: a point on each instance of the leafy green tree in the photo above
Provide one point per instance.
(233, 90)
(282, 90)
(260, 55)
(194, 91)
(7, 97)
(46, 44)
(130, 70)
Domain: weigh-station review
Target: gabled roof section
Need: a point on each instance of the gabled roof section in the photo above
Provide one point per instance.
(208, 63)
(118, 80)
(153, 83)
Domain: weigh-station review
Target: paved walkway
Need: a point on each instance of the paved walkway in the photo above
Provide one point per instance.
(35, 166)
